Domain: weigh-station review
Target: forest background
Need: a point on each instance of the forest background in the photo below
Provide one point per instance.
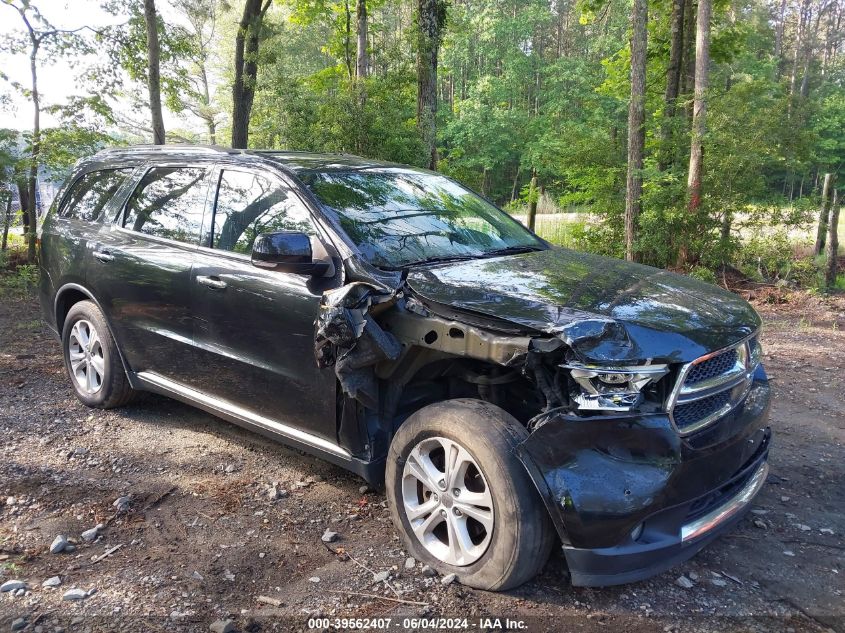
(706, 136)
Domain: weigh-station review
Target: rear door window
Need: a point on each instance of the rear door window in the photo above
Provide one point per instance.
(89, 194)
(249, 204)
(168, 202)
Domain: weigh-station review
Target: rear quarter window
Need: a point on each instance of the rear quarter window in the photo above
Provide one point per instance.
(90, 193)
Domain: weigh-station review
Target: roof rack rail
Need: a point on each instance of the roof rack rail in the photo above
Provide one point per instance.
(187, 149)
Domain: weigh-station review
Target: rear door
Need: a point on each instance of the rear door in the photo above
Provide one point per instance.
(142, 268)
(67, 232)
(254, 331)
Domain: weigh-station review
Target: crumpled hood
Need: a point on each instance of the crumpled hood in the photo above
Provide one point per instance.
(607, 310)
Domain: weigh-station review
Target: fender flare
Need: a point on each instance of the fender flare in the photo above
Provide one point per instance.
(79, 288)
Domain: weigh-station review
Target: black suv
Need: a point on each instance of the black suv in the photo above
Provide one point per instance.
(507, 392)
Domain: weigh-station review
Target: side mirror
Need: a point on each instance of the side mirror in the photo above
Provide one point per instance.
(288, 252)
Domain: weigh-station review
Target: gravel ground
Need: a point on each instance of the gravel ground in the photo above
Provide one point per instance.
(217, 523)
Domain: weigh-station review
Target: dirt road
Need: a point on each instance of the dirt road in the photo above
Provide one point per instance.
(201, 538)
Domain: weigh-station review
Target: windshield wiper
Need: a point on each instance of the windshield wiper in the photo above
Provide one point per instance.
(509, 250)
(512, 250)
(437, 260)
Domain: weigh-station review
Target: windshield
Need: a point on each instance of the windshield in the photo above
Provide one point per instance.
(399, 216)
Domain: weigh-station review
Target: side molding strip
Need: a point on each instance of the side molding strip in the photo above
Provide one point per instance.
(224, 406)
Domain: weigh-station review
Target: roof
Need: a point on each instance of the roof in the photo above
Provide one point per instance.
(295, 161)
(308, 161)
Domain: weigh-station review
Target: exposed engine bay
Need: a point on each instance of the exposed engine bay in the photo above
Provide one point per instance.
(394, 352)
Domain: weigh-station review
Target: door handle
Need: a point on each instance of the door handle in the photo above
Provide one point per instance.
(211, 282)
(103, 256)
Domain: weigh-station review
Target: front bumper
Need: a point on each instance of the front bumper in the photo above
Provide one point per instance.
(630, 498)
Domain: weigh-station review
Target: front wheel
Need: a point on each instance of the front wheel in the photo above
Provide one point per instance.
(462, 500)
(91, 359)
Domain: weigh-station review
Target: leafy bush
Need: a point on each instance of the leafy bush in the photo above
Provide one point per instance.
(17, 279)
(704, 274)
(766, 257)
(805, 272)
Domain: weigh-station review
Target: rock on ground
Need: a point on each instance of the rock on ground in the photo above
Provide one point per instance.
(90, 535)
(55, 581)
(12, 585)
(222, 626)
(75, 594)
(121, 504)
(60, 544)
(684, 582)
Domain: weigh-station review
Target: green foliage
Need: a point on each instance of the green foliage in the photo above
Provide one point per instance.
(63, 146)
(126, 45)
(524, 86)
(704, 274)
(16, 281)
(767, 257)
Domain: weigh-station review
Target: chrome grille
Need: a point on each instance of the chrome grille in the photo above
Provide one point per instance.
(692, 412)
(712, 367)
(710, 386)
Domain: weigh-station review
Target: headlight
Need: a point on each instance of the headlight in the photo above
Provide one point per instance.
(612, 388)
(755, 353)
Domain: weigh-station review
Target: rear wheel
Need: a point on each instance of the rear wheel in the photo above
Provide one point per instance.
(91, 359)
(462, 500)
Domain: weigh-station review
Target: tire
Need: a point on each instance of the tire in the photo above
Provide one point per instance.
(91, 359)
(519, 542)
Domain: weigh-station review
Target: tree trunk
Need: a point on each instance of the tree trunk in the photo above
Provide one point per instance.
(361, 61)
(206, 100)
(29, 202)
(830, 34)
(673, 79)
(800, 44)
(533, 196)
(688, 71)
(823, 213)
(781, 24)
(515, 183)
(153, 74)
(699, 125)
(431, 17)
(727, 221)
(7, 222)
(636, 124)
(699, 109)
(832, 242)
(347, 40)
(246, 69)
(812, 37)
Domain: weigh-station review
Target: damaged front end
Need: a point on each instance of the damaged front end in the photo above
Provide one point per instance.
(627, 478)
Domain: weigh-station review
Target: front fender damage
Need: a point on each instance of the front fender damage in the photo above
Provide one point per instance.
(599, 475)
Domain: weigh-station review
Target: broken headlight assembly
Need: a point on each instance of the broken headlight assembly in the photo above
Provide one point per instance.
(614, 388)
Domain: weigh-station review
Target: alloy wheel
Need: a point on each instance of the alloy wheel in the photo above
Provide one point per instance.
(447, 501)
(85, 354)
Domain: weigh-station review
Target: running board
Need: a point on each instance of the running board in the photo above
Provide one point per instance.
(230, 409)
